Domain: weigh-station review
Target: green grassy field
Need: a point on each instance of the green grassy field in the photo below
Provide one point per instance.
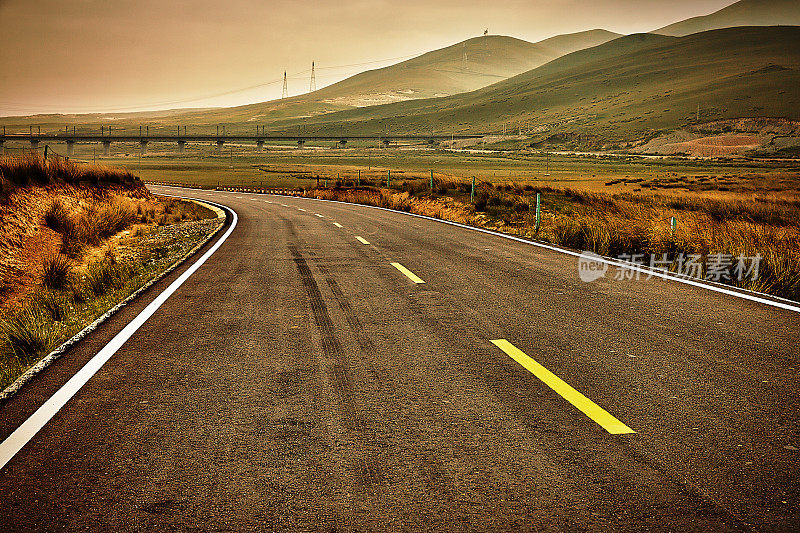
(243, 166)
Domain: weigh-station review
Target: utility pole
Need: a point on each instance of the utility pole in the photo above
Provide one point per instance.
(285, 87)
(313, 86)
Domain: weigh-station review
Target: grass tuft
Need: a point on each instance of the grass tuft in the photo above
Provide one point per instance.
(56, 271)
(108, 274)
(29, 334)
(56, 217)
(54, 303)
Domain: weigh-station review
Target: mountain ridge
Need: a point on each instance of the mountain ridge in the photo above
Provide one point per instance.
(626, 87)
(742, 13)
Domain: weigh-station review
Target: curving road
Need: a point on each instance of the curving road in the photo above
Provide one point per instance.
(331, 367)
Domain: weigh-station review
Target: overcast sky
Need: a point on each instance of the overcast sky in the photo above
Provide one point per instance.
(125, 55)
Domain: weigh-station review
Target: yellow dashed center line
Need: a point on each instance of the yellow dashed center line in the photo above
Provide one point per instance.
(318, 215)
(300, 209)
(413, 277)
(337, 224)
(362, 240)
(584, 404)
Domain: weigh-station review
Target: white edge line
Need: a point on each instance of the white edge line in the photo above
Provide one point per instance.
(748, 295)
(337, 225)
(25, 432)
(744, 294)
(56, 354)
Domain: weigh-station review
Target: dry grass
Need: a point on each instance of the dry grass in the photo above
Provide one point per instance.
(31, 169)
(614, 225)
(56, 271)
(29, 335)
(93, 223)
(83, 273)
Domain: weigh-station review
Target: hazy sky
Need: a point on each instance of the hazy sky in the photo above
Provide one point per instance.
(124, 55)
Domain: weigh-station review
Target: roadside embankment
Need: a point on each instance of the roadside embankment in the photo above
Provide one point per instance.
(75, 240)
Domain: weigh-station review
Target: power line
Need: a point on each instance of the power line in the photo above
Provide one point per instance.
(146, 106)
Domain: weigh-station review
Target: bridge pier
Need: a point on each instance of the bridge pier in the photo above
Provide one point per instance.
(143, 146)
(301, 143)
(385, 143)
(34, 144)
(70, 148)
(106, 148)
(260, 146)
(219, 146)
(181, 146)
(342, 143)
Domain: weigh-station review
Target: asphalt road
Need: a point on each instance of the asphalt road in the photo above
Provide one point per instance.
(300, 381)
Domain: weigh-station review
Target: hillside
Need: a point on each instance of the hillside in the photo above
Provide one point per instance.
(441, 72)
(463, 67)
(743, 13)
(619, 90)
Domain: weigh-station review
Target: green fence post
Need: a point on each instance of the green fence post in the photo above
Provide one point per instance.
(538, 211)
(388, 179)
(673, 225)
(431, 180)
(472, 192)
(359, 177)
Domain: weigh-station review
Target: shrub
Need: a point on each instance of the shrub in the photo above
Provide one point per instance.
(56, 271)
(73, 238)
(113, 218)
(56, 217)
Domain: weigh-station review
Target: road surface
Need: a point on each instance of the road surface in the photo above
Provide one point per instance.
(332, 367)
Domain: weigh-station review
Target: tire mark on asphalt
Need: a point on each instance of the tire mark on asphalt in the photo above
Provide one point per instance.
(371, 472)
(331, 347)
(368, 470)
